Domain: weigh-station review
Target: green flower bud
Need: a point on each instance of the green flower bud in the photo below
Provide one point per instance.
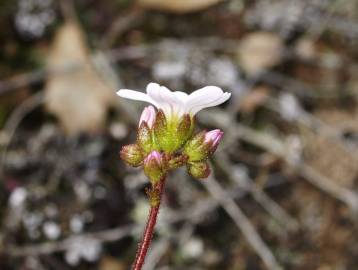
(202, 145)
(199, 170)
(154, 166)
(132, 154)
(196, 149)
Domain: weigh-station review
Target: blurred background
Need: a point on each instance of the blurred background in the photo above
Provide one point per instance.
(283, 193)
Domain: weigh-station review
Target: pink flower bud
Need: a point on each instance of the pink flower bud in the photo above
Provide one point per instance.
(154, 166)
(213, 138)
(202, 145)
(155, 157)
(148, 116)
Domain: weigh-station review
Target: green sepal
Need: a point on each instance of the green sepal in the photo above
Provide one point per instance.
(184, 130)
(171, 134)
(163, 136)
(199, 170)
(132, 154)
(196, 149)
(144, 137)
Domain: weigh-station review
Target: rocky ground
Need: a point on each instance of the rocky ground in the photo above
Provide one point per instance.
(283, 192)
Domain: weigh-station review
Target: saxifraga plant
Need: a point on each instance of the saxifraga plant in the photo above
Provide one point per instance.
(166, 141)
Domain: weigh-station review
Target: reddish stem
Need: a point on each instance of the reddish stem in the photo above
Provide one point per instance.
(149, 228)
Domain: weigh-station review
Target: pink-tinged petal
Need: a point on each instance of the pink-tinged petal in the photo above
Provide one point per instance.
(157, 156)
(152, 115)
(212, 135)
(148, 116)
(153, 166)
(218, 139)
(135, 95)
(213, 138)
(153, 156)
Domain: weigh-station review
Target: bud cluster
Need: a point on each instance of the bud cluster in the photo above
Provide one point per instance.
(165, 144)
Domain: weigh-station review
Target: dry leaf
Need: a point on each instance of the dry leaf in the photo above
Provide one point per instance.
(255, 98)
(178, 6)
(109, 263)
(80, 98)
(260, 51)
(330, 159)
(306, 49)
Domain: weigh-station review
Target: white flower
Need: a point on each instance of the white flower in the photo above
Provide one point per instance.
(178, 103)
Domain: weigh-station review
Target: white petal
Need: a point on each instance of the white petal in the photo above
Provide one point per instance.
(182, 99)
(135, 95)
(208, 96)
(154, 92)
(178, 103)
(152, 87)
(181, 96)
(221, 100)
(165, 99)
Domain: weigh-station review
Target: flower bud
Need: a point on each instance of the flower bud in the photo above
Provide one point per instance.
(154, 167)
(148, 116)
(213, 138)
(132, 155)
(196, 149)
(203, 144)
(199, 170)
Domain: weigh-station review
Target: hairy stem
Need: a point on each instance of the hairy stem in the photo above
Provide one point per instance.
(155, 195)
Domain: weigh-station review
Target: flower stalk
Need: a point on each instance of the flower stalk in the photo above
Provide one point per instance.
(155, 195)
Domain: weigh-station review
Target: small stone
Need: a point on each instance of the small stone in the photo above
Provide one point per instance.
(82, 191)
(223, 72)
(118, 130)
(260, 51)
(18, 197)
(194, 248)
(99, 192)
(289, 107)
(168, 70)
(76, 224)
(92, 250)
(72, 257)
(51, 230)
(305, 49)
(51, 211)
